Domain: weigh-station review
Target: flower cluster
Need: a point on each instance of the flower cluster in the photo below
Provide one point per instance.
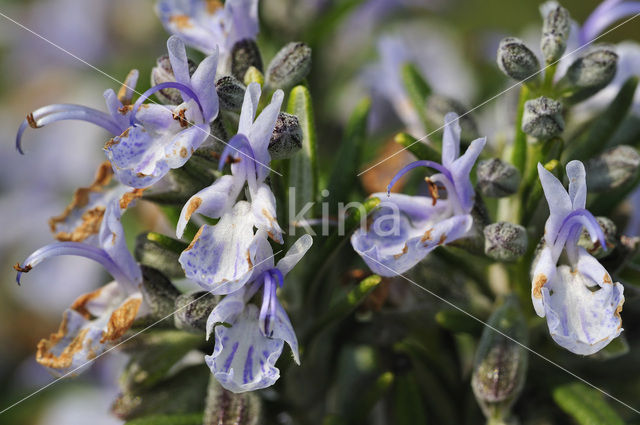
(232, 257)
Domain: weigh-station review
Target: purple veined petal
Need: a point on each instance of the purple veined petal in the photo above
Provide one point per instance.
(60, 112)
(243, 359)
(415, 164)
(263, 258)
(203, 83)
(185, 90)
(267, 309)
(263, 205)
(183, 144)
(77, 249)
(577, 184)
(278, 277)
(451, 139)
(460, 170)
(580, 319)
(604, 16)
(295, 254)
(212, 201)
(178, 59)
(220, 258)
(560, 204)
(249, 107)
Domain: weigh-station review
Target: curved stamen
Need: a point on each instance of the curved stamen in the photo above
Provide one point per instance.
(580, 217)
(59, 112)
(237, 144)
(266, 310)
(415, 164)
(277, 276)
(185, 90)
(77, 249)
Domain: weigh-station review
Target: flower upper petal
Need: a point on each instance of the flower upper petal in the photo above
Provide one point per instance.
(460, 170)
(211, 201)
(451, 139)
(295, 254)
(263, 205)
(577, 184)
(560, 204)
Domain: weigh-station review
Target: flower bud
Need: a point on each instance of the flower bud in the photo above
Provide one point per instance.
(230, 93)
(505, 241)
(497, 179)
(595, 248)
(542, 118)
(192, 311)
(500, 363)
(253, 75)
(159, 293)
(555, 31)
(225, 407)
(179, 393)
(516, 60)
(245, 54)
(612, 168)
(286, 139)
(590, 72)
(437, 106)
(290, 66)
(152, 250)
(163, 73)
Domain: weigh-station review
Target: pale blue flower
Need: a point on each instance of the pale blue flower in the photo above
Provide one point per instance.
(248, 339)
(95, 321)
(577, 295)
(221, 256)
(404, 229)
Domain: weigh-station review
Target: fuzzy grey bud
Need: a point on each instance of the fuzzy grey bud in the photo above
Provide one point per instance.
(230, 93)
(437, 106)
(192, 311)
(244, 55)
(174, 189)
(500, 364)
(286, 139)
(516, 60)
(612, 168)
(152, 250)
(290, 66)
(555, 31)
(505, 241)
(163, 73)
(225, 407)
(159, 293)
(542, 118)
(590, 72)
(595, 248)
(497, 179)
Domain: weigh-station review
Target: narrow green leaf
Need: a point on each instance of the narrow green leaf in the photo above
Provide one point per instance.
(408, 406)
(188, 419)
(456, 321)
(585, 405)
(371, 397)
(303, 167)
(594, 140)
(519, 153)
(344, 305)
(347, 160)
(417, 148)
(417, 89)
(167, 242)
